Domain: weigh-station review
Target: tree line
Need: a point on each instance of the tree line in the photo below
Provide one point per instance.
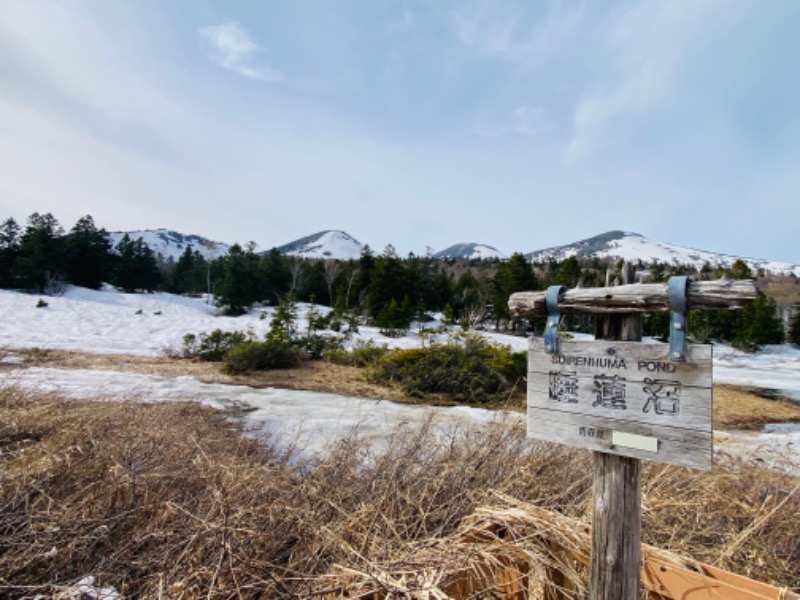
(385, 289)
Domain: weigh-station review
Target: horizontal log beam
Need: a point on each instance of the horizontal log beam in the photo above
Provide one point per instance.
(636, 298)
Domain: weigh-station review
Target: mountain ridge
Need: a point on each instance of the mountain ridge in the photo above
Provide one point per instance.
(630, 246)
(470, 250)
(171, 244)
(338, 244)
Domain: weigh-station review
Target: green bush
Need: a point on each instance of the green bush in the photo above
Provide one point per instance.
(470, 370)
(362, 354)
(317, 345)
(212, 346)
(261, 356)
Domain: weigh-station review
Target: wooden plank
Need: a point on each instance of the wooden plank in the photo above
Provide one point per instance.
(685, 448)
(636, 298)
(616, 498)
(626, 382)
(616, 528)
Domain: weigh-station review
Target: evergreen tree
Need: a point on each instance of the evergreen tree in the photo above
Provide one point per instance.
(388, 282)
(515, 275)
(758, 323)
(314, 283)
(395, 318)
(40, 261)
(88, 254)
(190, 275)
(136, 267)
(794, 325)
(282, 325)
(569, 273)
(9, 250)
(237, 290)
(274, 277)
(366, 264)
(739, 270)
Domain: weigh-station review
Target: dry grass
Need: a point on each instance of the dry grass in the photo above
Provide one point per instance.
(170, 500)
(741, 408)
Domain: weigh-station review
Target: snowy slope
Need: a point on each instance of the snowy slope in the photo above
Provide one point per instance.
(469, 251)
(633, 246)
(325, 244)
(171, 244)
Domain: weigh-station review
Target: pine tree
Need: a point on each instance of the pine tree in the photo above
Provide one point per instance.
(569, 273)
(274, 277)
(9, 250)
(515, 275)
(366, 264)
(389, 282)
(739, 270)
(190, 274)
(88, 254)
(136, 267)
(40, 261)
(757, 324)
(282, 325)
(313, 282)
(237, 290)
(395, 318)
(794, 326)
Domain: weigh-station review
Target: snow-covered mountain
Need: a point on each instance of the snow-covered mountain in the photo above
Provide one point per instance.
(325, 244)
(171, 244)
(469, 251)
(335, 244)
(633, 246)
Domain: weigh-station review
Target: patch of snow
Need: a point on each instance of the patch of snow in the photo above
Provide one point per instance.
(85, 588)
(330, 244)
(311, 420)
(774, 368)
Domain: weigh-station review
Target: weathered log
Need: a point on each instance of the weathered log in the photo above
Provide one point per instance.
(636, 298)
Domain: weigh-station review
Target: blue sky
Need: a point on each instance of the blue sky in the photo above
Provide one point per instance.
(517, 124)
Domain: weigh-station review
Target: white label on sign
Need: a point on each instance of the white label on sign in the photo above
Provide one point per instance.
(631, 440)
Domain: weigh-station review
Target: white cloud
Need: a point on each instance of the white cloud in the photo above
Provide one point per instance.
(231, 47)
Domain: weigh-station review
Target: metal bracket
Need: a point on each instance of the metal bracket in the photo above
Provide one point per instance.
(553, 318)
(676, 295)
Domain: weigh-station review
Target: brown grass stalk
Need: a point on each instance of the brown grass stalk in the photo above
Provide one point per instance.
(172, 501)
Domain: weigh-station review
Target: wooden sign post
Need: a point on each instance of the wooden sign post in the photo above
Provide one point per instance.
(626, 401)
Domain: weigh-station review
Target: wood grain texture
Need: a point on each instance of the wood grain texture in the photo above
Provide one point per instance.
(685, 448)
(616, 528)
(622, 386)
(617, 506)
(635, 298)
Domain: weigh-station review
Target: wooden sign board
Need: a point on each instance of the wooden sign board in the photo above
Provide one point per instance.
(623, 398)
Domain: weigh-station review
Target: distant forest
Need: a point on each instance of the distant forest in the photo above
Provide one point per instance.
(382, 289)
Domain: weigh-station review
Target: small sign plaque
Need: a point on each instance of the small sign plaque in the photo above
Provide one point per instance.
(623, 398)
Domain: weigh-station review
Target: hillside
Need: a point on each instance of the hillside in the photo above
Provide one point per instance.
(630, 246)
(470, 251)
(338, 244)
(325, 244)
(171, 244)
